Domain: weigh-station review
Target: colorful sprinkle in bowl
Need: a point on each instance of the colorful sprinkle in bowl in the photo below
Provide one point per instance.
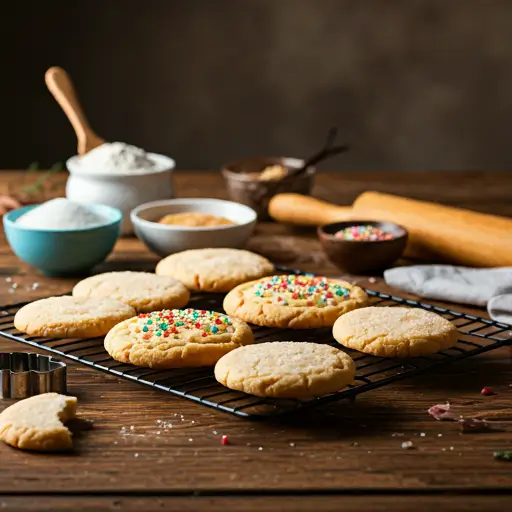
(63, 252)
(356, 255)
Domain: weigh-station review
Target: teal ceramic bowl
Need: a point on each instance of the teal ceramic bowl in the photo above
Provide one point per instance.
(63, 252)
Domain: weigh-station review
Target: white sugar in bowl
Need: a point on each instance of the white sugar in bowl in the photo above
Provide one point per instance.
(125, 191)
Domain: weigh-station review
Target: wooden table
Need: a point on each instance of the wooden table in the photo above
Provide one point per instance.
(344, 457)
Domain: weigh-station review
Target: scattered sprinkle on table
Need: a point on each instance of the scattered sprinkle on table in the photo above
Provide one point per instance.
(363, 233)
(487, 391)
(224, 440)
(503, 455)
(407, 445)
(302, 290)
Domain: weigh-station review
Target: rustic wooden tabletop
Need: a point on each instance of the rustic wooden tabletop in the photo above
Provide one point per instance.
(152, 451)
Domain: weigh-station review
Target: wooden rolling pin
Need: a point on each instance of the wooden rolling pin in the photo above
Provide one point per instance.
(436, 232)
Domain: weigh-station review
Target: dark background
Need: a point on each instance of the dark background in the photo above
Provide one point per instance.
(411, 84)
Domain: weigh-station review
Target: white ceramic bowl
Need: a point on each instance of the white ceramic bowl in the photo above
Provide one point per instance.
(167, 239)
(122, 191)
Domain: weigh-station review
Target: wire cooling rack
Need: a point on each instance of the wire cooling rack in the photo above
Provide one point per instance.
(477, 335)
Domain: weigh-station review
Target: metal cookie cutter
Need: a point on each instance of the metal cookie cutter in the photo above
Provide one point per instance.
(24, 374)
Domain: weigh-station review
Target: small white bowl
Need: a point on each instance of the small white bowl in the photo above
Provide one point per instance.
(166, 239)
(124, 191)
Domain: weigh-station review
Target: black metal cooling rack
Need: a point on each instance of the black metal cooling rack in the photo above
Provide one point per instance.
(477, 335)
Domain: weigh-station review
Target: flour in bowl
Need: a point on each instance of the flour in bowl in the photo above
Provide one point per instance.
(117, 158)
(61, 214)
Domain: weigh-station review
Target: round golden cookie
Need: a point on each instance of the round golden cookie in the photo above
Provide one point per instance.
(176, 338)
(71, 317)
(37, 423)
(296, 302)
(286, 369)
(395, 332)
(214, 270)
(143, 291)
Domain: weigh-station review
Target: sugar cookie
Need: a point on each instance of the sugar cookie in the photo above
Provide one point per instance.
(296, 302)
(214, 270)
(71, 317)
(143, 291)
(286, 369)
(176, 338)
(395, 331)
(37, 423)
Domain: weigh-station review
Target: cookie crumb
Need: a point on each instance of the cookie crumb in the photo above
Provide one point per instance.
(135, 455)
(190, 439)
(439, 435)
(292, 444)
(214, 432)
(442, 412)
(260, 448)
(474, 425)
(407, 445)
(422, 434)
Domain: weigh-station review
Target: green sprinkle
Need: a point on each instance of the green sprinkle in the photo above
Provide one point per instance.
(163, 327)
(145, 329)
(503, 455)
(159, 333)
(150, 322)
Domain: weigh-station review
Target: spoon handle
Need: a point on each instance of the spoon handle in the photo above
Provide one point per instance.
(60, 85)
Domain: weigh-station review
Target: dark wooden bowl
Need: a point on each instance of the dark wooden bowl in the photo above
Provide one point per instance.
(362, 257)
(244, 189)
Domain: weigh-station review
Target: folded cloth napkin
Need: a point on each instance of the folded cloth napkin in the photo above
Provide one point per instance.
(491, 287)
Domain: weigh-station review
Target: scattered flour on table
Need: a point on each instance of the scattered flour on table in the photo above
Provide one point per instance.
(61, 213)
(117, 158)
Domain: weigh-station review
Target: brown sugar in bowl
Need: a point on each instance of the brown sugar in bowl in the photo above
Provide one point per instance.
(363, 256)
(244, 187)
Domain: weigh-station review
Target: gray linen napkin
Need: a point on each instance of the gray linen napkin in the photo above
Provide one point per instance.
(491, 287)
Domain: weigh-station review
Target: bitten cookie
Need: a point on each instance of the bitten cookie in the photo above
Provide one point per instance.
(286, 369)
(71, 317)
(395, 332)
(176, 338)
(37, 423)
(143, 291)
(214, 270)
(296, 302)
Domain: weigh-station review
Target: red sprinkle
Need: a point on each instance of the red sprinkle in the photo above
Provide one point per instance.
(224, 441)
(486, 391)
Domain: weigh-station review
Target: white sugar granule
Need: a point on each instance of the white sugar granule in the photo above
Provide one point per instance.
(117, 158)
(61, 213)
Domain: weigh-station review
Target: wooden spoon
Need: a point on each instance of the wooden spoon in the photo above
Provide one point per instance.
(60, 85)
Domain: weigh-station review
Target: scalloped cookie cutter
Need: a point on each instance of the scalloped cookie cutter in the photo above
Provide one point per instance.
(25, 374)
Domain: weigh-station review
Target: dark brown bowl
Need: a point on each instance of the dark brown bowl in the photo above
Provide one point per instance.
(244, 188)
(362, 257)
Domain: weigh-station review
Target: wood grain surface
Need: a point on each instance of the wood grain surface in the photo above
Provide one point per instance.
(148, 450)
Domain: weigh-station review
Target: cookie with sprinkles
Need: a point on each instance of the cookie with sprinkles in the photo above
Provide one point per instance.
(296, 302)
(176, 338)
